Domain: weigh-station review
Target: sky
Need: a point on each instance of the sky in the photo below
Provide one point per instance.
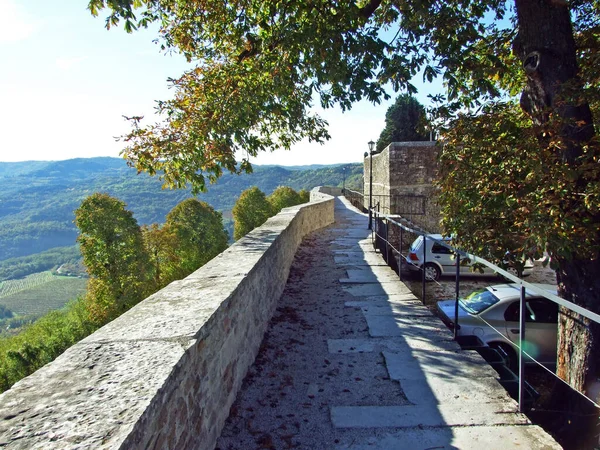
(66, 83)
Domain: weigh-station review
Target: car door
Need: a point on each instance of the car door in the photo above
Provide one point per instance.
(444, 257)
(541, 328)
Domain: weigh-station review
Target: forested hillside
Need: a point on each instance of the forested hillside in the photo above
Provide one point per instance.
(37, 199)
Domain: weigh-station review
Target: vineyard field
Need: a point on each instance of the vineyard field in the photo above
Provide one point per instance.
(40, 293)
(13, 286)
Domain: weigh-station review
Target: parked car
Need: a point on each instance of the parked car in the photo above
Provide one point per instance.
(492, 314)
(441, 261)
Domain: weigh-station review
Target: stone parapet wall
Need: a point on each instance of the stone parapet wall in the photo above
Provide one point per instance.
(323, 191)
(164, 374)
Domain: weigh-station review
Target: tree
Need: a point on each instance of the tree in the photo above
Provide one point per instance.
(5, 313)
(251, 210)
(282, 197)
(304, 196)
(161, 246)
(113, 252)
(259, 65)
(405, 120)
(198, 235)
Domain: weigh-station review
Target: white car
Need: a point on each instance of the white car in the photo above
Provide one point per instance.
(492, 314)
(441, 261)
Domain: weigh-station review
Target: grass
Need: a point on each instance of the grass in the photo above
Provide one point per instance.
(40, 293)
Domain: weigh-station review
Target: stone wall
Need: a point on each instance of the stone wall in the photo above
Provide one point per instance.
(164, 374)
(403, 176)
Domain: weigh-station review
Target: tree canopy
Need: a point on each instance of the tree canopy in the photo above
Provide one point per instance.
(113, 252)
(251, 210)
(260, 65)
(405, 120)
(198, 233)
(282, 197)
(524, 72)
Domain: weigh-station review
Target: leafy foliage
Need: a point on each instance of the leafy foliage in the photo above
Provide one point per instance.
(122, 273)
(198, 233)
(282, 197)
(5, 313)
(161, 246)
(405, 120)
(257, 68)
(41, 342)
(496, 177)
(114, 254)
(253, 208)
(250, 211)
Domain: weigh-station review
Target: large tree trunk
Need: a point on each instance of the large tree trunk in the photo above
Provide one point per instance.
(547, 49)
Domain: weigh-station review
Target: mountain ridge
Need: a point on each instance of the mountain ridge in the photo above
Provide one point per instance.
(37, 198)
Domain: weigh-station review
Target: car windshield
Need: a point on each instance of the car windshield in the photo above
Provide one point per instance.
(416, 244)
(479, 301)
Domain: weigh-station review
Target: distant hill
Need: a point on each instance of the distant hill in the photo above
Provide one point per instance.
(37, 198)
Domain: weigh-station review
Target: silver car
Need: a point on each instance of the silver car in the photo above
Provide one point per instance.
(492, 314)
(440, 260)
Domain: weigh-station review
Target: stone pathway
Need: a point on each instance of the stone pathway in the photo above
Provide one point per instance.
(352, 360)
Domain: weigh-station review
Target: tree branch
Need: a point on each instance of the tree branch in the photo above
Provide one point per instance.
(368, 10)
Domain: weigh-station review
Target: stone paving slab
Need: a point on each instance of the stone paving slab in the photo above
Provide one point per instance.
(350, 242)
(450, 390)
(368, 278)
(366, 251)
(440, 343)
(426, 415)
(377, 271)
(358, 261)
(397, 325)
(408, 298)
(382, 273)
(480, 437)
(343, 346)
(395, 309)
(381, 288)
(427, 364)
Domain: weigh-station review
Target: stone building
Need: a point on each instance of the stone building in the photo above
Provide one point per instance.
(403, 175)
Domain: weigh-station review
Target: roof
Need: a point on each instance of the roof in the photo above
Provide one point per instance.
(513, 290)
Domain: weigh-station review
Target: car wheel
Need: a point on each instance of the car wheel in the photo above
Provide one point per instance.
(508, 354)
(432, 272)
(512, 271)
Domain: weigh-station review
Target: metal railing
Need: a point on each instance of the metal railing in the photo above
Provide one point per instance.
(395, 256)
(356, 198)
(404, 204)
(401, 204)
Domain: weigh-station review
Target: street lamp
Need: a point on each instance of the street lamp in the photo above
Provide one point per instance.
(371, 145)
(344, 182)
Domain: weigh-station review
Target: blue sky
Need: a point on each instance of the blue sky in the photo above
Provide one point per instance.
(66, 82)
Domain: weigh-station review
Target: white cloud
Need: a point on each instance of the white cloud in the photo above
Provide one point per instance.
(65, 63)
(15, 25)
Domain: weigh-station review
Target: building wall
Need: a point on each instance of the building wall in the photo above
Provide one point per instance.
(165, 373)
(403, 176)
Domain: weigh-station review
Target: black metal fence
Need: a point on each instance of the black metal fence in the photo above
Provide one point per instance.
(389, 235)
(403, 204)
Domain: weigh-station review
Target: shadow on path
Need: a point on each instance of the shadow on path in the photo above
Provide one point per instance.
(352, 360)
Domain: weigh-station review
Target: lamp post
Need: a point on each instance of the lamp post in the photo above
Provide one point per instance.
(371, 145)
(344, 182)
